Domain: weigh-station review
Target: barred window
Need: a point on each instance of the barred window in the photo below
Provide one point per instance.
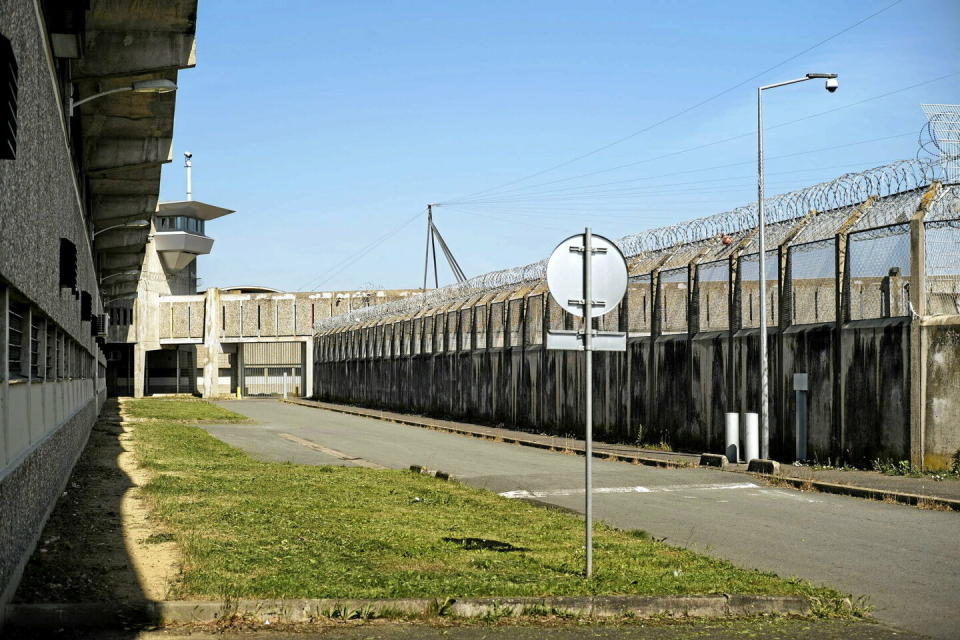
(15, 348)
(51, 351)
(35, 347)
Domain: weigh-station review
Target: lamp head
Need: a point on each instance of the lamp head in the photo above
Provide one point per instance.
(137, 224)
(154, 86)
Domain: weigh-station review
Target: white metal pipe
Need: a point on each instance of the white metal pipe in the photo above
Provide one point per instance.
(732, 436)
(751, 437)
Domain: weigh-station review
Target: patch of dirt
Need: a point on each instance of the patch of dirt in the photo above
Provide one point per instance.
(153, 552)
(100, 543)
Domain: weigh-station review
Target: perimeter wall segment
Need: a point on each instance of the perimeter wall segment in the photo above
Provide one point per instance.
(875, 338)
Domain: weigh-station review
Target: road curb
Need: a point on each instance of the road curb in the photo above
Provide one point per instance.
(605, 455)
(170, 613)
(882, 495)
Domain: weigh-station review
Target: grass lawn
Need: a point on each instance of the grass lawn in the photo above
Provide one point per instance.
(260, 529)
(180, 409)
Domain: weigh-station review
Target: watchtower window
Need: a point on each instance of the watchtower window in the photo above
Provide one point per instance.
(180, 223)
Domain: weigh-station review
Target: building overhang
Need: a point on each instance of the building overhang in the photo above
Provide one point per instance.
(192, 209)
(177, 249)
(123, 138)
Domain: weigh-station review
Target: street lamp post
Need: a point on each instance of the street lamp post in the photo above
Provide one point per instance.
(143, 86)
(831, 86)
(133, 224)
(121, 273)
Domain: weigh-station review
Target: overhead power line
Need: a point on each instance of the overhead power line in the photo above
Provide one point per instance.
(338, 268)
(740, 136)
(540, 196)
(690, 108)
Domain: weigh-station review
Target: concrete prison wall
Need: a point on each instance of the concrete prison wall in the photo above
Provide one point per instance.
(848, 307)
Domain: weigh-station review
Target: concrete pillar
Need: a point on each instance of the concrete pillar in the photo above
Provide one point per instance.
(211, 340)
(139, 370)
(656, 328)
(918, 337)
(241, 370)
(307, 377)
(734, 324)
(841, 316)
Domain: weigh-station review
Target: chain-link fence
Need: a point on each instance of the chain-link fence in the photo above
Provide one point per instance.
(897, 188)
(674, 296)
(878, 268)
(813, 281)
(943, 267)
(713, 283)
(640, 303)
(750, 289)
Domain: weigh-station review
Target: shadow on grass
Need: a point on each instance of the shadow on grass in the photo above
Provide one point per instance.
(482, 544)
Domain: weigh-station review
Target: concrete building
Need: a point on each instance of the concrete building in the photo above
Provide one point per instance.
(139, 363)
(86, 121)
(255, 340)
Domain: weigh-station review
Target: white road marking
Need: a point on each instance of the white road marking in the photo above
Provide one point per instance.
(546, 493)
(303, 442)
(787, 494)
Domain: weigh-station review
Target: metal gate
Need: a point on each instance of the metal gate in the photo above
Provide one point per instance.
(269, 366)
(270, 381)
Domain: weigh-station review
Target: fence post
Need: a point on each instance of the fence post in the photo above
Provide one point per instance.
(734, 324)
(918, 336)
(656, 329)
(842, 316)
(782, 391)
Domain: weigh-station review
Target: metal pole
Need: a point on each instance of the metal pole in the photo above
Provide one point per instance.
(433, 248)
(188, 163)
(764, 418)
(588, 347)
(426, 255)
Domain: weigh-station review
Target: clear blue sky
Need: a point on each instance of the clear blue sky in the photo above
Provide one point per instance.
(327, 125)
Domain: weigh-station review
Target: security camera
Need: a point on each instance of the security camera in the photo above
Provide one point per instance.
(832, 84)
(187, 154)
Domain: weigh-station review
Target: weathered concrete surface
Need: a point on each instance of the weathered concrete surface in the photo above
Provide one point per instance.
(309, 610)
(942, 435)
(670, 389)
(905, 560)
(780, 628)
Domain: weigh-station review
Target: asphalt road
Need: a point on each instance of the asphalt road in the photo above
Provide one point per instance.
(905, 560)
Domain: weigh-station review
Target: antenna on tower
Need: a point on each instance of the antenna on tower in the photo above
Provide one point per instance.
(433, 236)
(188, 164)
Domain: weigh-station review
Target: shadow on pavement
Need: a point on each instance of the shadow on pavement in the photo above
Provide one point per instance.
(82, 554)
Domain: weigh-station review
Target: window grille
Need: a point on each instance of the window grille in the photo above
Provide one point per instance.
(51, 351)
(15, 336)
(35, 347)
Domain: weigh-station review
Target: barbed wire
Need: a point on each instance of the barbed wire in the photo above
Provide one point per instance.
(888, 181)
